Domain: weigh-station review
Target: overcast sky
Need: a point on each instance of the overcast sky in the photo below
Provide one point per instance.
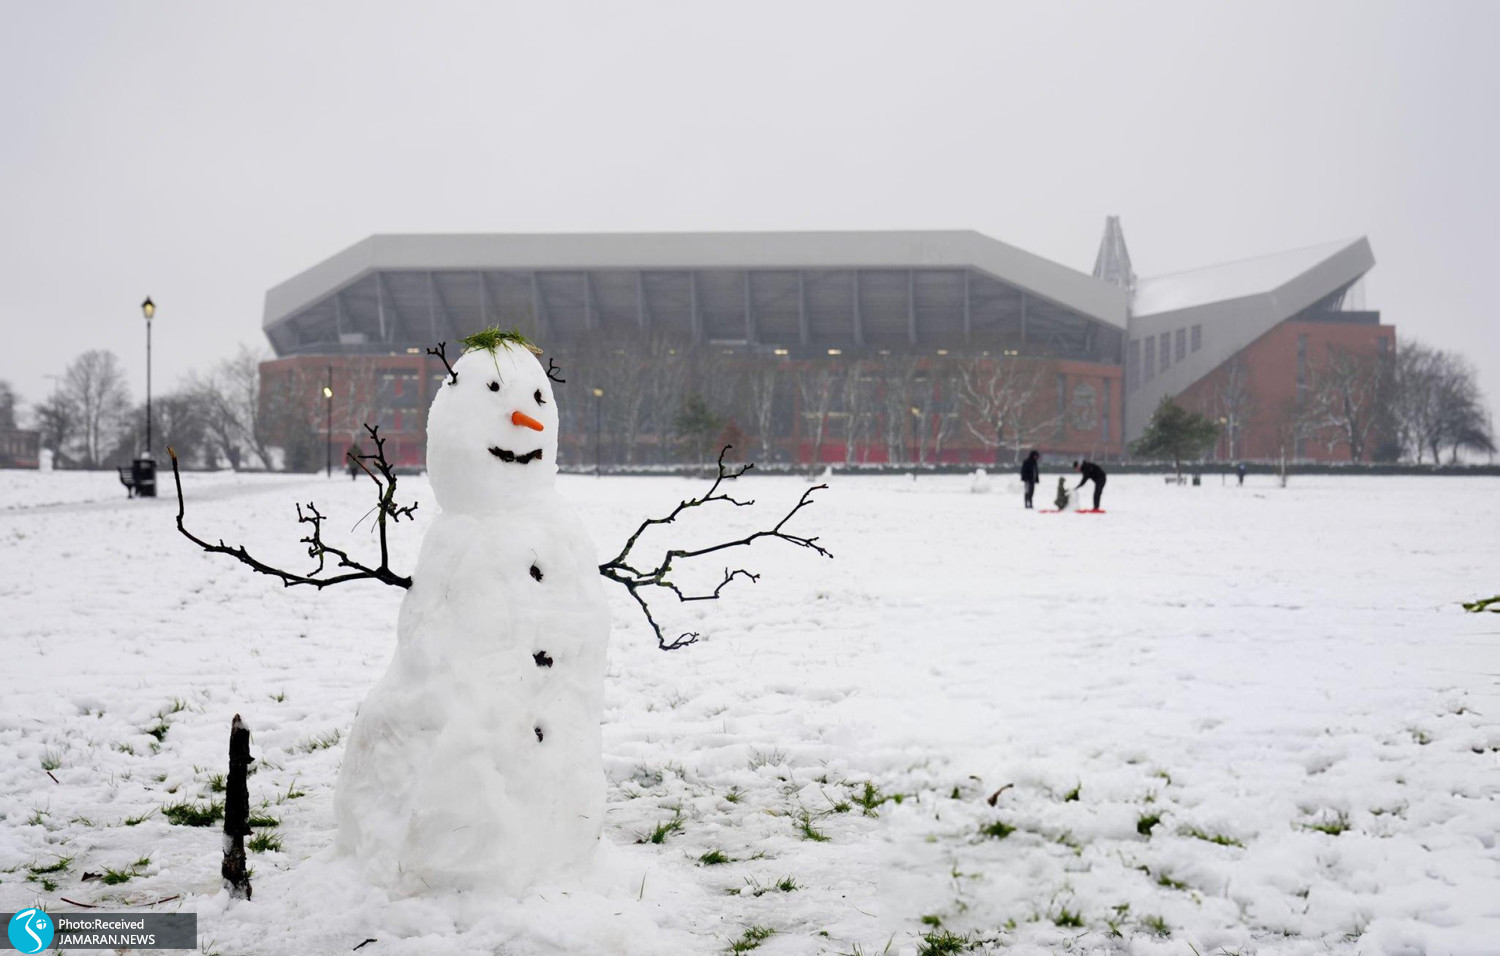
(202, 153)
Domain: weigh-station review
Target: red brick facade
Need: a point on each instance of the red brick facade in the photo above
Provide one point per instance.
(1276, 369)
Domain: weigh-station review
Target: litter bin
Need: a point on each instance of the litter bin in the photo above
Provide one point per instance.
(1197, 480)
(143, 473)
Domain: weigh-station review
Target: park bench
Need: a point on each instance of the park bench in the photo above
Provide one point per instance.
(139, 478)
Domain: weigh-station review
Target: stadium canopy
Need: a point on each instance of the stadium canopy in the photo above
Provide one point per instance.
(800, 290)
(1208, 315)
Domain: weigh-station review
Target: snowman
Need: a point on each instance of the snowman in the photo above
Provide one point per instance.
(476, 760)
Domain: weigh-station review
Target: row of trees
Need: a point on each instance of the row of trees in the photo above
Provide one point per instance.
(656, 400)
(90, 420)
(1413, 404)
(659, 399)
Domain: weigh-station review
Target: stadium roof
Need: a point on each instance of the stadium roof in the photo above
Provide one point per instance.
(1257, 276)
(1033, 274)
(1221, 309)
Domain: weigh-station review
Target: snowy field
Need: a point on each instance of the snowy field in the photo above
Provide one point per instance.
(1218, 719)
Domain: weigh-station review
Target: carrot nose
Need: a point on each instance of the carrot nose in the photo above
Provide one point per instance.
(521, 418)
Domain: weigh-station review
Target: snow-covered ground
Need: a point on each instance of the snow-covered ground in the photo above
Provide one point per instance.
(1249, 720)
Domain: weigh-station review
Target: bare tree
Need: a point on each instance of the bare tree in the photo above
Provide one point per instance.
(1232, 403)
(760, 394)
(896, 376)
(7, 407)
(933, 395)
(999, 397)
(57, 422)
(95, 386)
(1345, 398)
(818, 386)
(857, 399)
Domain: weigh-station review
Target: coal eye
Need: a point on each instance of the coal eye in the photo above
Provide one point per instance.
(494, 386)
(538, 396)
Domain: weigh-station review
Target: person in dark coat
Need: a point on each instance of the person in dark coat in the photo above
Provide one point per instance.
(1029, 474)
(1091, 472)
(1240, 471)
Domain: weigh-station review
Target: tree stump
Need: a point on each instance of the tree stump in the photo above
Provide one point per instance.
(237, 812)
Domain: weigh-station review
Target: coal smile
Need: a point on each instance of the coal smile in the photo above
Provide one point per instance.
(510, 456)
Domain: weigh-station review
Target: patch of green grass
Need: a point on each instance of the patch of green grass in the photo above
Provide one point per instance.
(734, 795)
(126, 748)
(292, 793)
(1072, 795)
(159, 730)
(761, 758)
(714, 858)
(1163, 879)
(1339, 824)
(264, 842)
(1121, 910)
(259, 821)
(51, 759)
(942, 943)
(1146, 822)
(664, 830)
(808, 831)
(933, 920)
(494, 337)
(1068, 918)
(48, 885)
(750, 939)
(787, 885)
(137, 820)
(321, 741)
(113, 877)
(58, 865)
(36, 817)
(1422, 737)
(870, 798)
(190, 814)
(216, 783)
(1218, 838)
(279, 697)
(997, 830)
(1156, 926)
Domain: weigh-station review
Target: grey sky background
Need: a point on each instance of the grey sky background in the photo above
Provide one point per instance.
(202, 153)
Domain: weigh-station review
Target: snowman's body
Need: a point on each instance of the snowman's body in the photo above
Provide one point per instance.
(475, 761)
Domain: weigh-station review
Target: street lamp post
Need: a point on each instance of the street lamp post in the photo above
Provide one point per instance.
(328, 437)
(143, 469)
(148, 309)
(598, 404)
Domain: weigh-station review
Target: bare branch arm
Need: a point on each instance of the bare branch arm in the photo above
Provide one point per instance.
(316, 547)
(636, 580)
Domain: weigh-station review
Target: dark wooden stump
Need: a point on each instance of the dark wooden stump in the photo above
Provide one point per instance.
(237, 812)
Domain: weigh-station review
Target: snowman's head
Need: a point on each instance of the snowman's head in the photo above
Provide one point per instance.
(492, 434)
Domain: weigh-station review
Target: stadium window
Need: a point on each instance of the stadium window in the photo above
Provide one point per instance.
(1197, 337)
(1133, 366)
(1104, 409)
(1180, 340)
(1165, 342)
(1150, 370)
(1301, 376)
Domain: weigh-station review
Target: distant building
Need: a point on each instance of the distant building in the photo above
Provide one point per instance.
(19, 448)
(842, 346)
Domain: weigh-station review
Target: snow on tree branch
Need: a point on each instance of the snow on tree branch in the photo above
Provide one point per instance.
(636, 580)
(384, 477)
